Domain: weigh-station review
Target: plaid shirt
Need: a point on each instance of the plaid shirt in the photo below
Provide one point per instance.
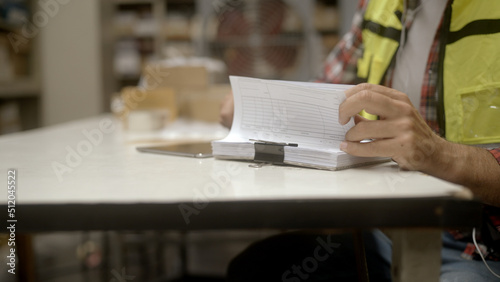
(341, 67)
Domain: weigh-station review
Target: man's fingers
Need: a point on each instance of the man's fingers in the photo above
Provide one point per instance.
(373, 129)
(358, 119)
(376, 148)
(374, 103)
(386, 91)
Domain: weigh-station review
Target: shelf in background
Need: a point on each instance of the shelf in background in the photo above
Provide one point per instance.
(22, 87)
(8, 27)
(131, 2)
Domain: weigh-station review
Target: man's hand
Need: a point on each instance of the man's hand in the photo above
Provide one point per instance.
(403, 135)
(227, 111)
(400, 134)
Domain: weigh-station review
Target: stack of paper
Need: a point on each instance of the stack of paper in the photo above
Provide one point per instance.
(302, 117)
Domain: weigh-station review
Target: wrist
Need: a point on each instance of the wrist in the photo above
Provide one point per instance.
(469, 166)
(445, 159)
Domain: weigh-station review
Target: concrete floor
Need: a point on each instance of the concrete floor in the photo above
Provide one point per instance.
(132, 256)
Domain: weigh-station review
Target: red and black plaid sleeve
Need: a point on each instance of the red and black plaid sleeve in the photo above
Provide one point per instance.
(341, 64)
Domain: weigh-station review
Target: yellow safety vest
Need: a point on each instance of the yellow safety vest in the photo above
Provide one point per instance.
(469, 71)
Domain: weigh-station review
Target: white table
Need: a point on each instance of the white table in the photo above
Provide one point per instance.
(87, 175)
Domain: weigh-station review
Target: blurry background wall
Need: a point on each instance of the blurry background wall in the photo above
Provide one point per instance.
(85, 51)
(71, 63)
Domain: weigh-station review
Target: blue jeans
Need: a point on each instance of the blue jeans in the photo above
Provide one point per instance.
(454, 268)
(296, 257)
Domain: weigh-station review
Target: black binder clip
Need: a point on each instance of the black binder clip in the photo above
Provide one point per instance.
(270, 152)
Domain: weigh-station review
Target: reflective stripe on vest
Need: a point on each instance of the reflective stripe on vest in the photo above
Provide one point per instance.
(381, 29)
(470, 75)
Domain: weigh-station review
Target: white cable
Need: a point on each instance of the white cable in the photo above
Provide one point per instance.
(481, 253)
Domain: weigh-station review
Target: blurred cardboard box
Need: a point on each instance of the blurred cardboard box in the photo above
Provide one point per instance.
(146, 105)
(204, 105)
(157, 76)
(195, 97)
(135, 98)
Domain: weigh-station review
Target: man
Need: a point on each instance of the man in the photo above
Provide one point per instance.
(442, 57)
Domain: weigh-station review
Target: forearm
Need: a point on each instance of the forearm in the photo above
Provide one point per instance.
(472, 167)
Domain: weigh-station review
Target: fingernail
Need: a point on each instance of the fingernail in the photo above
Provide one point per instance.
(343, 146)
